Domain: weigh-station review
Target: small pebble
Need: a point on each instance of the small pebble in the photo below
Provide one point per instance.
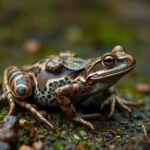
(4, 146)
(143, 87)
(38, 145)
(25, 147)
(10, 122)
(8, 136)
(23, 123)
(33, 134)
(32, 45)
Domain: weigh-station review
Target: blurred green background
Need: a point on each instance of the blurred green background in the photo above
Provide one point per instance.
(31, 30)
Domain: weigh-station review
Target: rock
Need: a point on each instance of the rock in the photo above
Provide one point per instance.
(143, 87)
(8, 132)
(25, 147)
(10, 122)
(139, 142)
(38, 145)
(4, 146)
(23, 123)
(8, 136)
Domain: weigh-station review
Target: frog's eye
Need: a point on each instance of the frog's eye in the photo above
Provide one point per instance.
(109, 61)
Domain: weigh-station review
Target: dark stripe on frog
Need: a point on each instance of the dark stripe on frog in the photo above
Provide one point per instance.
(42, 61)
(78, 62)
(21, 91)
(10, 73)
(14, 76)
(22, 80)
(38, 70)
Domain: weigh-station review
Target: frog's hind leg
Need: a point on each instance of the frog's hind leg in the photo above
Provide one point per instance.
(7, 95)
(17, 85)
(34, 112)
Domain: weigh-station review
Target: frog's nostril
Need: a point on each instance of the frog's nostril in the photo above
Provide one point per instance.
(126, 60)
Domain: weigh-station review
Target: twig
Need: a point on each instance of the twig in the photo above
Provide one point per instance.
(144, 129)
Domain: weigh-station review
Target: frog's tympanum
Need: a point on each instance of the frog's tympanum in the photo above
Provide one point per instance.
(65, 79)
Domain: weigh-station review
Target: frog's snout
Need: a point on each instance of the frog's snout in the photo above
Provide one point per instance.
(132, 61)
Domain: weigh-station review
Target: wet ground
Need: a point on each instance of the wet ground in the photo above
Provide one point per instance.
(121, 131)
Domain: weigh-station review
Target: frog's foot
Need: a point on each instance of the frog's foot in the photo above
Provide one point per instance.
(8, 97)
(34, 112)
(79, 119)
(122, 103)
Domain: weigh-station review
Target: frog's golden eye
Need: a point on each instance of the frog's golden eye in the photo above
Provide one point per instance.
(109, 61)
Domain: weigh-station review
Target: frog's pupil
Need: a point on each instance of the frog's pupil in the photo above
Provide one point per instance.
(109, 61)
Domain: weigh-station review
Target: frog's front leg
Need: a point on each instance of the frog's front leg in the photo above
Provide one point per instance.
(17, 88)
(113, 98)
(63, 95)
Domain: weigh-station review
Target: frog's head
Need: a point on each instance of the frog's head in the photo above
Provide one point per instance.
(111, 66)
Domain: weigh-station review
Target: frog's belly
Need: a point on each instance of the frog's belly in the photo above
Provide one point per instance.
(47, 97)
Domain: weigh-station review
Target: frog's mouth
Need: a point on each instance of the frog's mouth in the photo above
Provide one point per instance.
(111, 74)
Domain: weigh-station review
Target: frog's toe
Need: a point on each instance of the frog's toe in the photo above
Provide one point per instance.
(78, 119)
(108, 101)
(127, 102)
(112, 107)
(123, 104)
(90, 116)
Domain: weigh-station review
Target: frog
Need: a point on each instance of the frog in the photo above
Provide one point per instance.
(66, 79)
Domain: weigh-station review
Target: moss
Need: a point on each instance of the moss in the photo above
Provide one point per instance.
(24, 140)
(89, 143)
(58, 146)
(83, 133)
(27, 129)
(42, 130)
(2, 115)
(118, 138)
(59, 135)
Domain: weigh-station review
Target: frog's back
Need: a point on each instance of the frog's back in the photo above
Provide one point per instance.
(46, 82)
(74, 63)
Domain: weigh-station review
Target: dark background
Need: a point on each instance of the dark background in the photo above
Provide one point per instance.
(31, 30)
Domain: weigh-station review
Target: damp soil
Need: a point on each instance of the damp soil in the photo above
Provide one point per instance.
(121, 131)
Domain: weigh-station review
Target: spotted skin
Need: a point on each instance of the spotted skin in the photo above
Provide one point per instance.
(61, 80)
(54, 64)
(47, 96)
